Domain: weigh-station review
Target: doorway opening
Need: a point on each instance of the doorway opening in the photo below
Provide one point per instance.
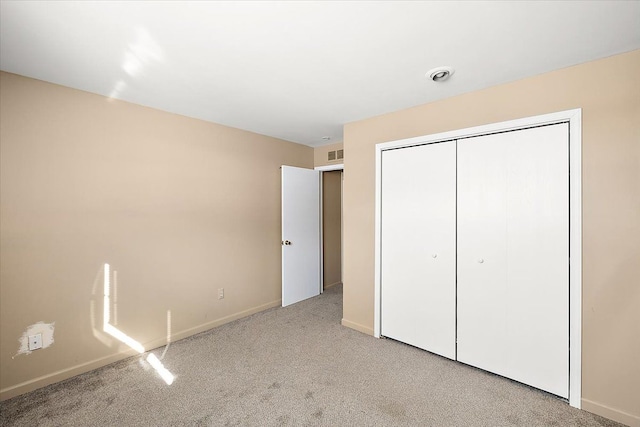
(331, 179)
(331, 228)
(303, 231)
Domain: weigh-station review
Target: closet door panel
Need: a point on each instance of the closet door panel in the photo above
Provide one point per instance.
(513, 255)
(482, 256)
(418, 246)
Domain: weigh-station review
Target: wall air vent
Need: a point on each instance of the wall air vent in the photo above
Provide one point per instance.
(332, 155)
(340, 154)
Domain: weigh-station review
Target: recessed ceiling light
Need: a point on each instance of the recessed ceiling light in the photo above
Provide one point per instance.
(440, 74)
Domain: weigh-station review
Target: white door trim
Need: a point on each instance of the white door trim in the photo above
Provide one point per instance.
(574, 118)
(327, 168)
(321, 231)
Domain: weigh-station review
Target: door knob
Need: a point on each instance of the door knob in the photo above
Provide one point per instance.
(434, 256)
(480, 260)
(286, 243)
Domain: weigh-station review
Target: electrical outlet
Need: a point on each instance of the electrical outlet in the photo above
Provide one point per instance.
(35, 342)
(220, 293)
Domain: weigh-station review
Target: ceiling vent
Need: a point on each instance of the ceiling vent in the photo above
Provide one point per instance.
(332, 155)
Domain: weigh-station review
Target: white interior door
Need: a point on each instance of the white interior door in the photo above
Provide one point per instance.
(418, 256)
(300, 234)
(513, 255)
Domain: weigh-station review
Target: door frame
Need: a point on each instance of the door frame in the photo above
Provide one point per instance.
(323, 169)
(574, 119)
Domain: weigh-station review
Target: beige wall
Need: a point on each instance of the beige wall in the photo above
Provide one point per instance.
(179, 207)
(608, 91)
(332, 227)
(320, 154)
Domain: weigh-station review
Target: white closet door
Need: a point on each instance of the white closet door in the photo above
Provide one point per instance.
(418, 246)
(513, 255)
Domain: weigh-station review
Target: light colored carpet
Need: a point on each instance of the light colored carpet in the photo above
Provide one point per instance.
(292, 366)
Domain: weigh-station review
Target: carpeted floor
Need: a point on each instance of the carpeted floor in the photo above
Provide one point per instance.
(293, 366)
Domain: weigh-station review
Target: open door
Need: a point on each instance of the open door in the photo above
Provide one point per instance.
(300, 234)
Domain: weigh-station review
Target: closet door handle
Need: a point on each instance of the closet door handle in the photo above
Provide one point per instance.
(480, 260)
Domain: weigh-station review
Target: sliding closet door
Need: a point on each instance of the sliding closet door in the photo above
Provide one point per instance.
(513, 255)
(418, 246)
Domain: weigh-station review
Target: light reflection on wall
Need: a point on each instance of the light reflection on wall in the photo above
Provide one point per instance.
(108, 328)
(168, 334)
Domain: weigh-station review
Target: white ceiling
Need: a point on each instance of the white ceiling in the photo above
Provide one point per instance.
(301, 70)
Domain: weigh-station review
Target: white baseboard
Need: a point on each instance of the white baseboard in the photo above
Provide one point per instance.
(63, 374)
(611, 413)
(358, 327)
